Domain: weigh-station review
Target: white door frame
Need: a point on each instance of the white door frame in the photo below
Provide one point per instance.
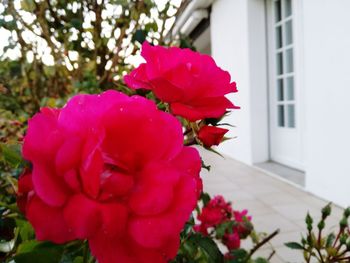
(298, 133)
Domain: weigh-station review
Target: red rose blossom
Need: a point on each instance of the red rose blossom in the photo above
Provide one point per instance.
(25, 186)
(193, 85)
(232, 240)
(214, 213)
(211, 135)
(111, 169)
(243, 226)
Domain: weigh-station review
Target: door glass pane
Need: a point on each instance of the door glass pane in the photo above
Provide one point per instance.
(288, 8)
(289, 60)
(291, 115)
(280, 89)
(278, 10)
(288, 32)
(279, 63)
(279, 37)
(290, 88)
(280, 115)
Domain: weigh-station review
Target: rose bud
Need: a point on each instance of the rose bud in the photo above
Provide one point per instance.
(211, 135)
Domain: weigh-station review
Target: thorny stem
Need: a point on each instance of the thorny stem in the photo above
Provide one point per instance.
(271, 255)
(338, 236)
(344, 258)
(263, 242)
(309, 258)
(320, 254)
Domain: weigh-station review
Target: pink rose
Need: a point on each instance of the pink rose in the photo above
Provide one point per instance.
(241, 215)
(243, 226)
(212, 216)
(211, 135)
(232, 240)
(214, 213)
(111, 169)
(25, 187)
(193, 85)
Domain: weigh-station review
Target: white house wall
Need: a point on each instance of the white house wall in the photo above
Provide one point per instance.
(238, 41)
(327, 96)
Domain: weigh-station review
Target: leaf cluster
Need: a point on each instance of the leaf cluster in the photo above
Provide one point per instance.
(322, 246)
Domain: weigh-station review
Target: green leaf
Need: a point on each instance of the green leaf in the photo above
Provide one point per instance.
(152, 26)
(11, 154)
(139, 36)
(207, 245)
(26, 231)
(210, 247)
(42, 253)
(27, 246)
(260, 260)
(294, 245)
(223, 228)
(28, 5)
(205, 197)
(76, 23)
(78, 260)
(239, 256)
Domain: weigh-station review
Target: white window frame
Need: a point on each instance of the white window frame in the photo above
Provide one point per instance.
(298, 73)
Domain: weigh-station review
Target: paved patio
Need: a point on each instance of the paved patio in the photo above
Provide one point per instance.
(272, 202)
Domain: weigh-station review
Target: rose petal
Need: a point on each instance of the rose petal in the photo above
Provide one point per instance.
(92, 166)
(166, 91)
(124, 250)
(114, 219)
(151, 198)
(68, 155)
(82, 216)
(137, 79)
(48, 222)
(48, 186)
(202, 108)
(43, 137)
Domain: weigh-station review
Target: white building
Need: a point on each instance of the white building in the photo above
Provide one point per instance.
(291, 61)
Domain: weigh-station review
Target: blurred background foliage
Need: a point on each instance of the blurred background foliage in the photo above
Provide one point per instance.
(57, 48)
(51, 50)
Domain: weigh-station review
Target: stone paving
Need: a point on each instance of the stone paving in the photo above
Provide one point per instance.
(272, 202)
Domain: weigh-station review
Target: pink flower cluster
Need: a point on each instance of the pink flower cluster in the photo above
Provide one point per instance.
(216, 212)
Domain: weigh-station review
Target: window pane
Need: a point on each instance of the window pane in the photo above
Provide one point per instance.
(280, 115)
(290, 88)
(288, 8)
(279, 63)
(289, 33)
(289, 60)
(291, 115)
(278, 10)
(279, 37)
(280, 89)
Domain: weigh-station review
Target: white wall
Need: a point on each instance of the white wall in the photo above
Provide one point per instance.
(327, 97)
(238, 45)
(323, 50)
